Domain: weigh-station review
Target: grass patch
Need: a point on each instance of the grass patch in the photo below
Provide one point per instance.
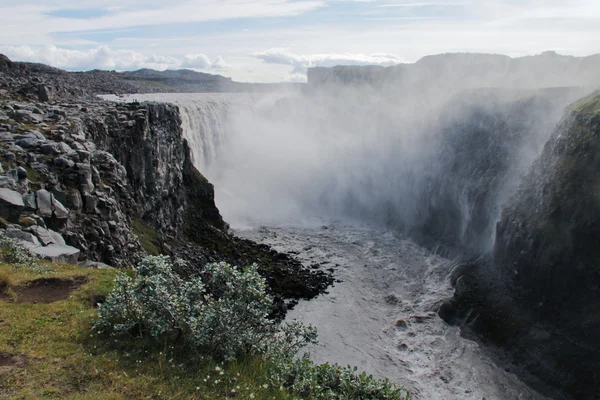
(66, 360)
(147, 235)
(588, 105)
(29, 127)
(32, 174)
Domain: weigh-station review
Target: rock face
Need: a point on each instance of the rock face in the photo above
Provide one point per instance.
(538, 294)
(487, 140)
(106, 182)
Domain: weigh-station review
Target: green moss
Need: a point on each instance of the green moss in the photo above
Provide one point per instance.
(588, 105)
(26, 222)
(32, 174)
(147, 236)
(28, 127)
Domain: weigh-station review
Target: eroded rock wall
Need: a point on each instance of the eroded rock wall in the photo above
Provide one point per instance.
(538, 294)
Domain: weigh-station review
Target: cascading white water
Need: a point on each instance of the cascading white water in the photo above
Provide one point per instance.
(281, 159)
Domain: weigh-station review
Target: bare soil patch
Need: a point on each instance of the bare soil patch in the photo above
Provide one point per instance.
(8, 362)
(47, 290)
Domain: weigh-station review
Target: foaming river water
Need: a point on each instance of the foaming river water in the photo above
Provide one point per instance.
(382, 316)
(279, 169)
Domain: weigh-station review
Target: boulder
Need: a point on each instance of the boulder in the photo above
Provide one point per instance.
(56, 237)
(74, 200)
(43, 93)
(63, 162)
(29, 142)
(53, 148)
(21, 173)
(56, 253)
(23, 236)
(11, 205)
(44, 203)
(43, 235)
(60, 211)
(29, 202)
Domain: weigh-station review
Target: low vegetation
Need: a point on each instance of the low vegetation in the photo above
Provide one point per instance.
(147, 235)
(147, 334)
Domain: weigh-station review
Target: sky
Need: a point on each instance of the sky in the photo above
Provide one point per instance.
(277, 40)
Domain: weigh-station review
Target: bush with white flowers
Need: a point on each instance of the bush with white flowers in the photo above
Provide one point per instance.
(14, 253)
(221, 312)
(327, 382)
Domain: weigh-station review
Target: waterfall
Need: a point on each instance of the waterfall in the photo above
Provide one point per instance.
(204, 127)
(439, 171)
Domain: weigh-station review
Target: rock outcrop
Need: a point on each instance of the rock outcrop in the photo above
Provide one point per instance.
(538, 294)
(102, 182)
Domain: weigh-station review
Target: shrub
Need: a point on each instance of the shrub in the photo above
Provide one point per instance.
(14, 253)
(222, 312)
(326, 381)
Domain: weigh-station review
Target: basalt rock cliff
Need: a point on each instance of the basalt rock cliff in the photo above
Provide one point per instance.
(102, 182)
(538, 293)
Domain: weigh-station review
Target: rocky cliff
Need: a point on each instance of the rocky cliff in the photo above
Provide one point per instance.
(538, 294)
(88, 180)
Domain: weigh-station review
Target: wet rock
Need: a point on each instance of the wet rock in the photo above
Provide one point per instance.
(537, 295)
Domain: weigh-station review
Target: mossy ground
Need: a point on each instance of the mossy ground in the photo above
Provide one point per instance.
(588, 105)
(147, 235)
(65, 359)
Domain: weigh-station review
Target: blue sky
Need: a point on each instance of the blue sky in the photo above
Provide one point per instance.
(276, 40)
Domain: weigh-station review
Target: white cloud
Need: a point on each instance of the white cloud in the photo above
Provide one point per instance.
(103, 57)
(300, 63)
(27, 15)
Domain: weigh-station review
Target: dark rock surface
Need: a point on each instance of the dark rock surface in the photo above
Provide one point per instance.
(538, 293)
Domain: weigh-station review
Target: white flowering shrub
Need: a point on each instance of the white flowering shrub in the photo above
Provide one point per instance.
(14, 253)
(327, 382)
(222, 312)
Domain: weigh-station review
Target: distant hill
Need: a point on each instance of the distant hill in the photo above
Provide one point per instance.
(25, 78)
(468, 70)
